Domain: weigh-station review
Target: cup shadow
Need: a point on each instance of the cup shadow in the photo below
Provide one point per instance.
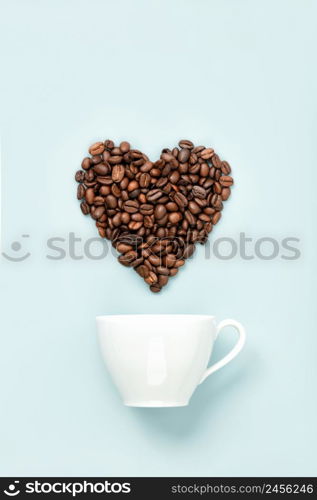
(180, 422)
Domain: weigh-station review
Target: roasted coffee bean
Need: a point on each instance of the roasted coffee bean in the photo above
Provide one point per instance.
(216, 200)
(97, 148)
(181, 200)
(111, 201)
(132, 186)
(146, 209)
(129, 239)
(209, 210)
(136, 154)
(166, 170)
(216, 161)
(162, 280)
(124, 195)
(198, 149)
(163, 221)
(175, 175)
(148, 221)
(102, 169)
(124, 183)
(208, 183)
(116, 151)
(80, 192)
(160, 211)
(151, 278)
(217, 187)
(188, 251)
(146, 252)
(225, 168)
(127, 258)
(204, 217)
(115, 160)
(190, 218)
(117, 219)
(168, 157)
(138, 217)
(163, 270)
(194, 207)
(103, 220)
(206, 153)
(124, 146)
(225, 180)
(137, 262)
(134, 194)
(155, 172)
(193, 159)
(225, 193)
(143, 271)
(174, 217)
(170, 260)
(109, 144)
(142, 198)
(179, 263)
(212, 172)
(134, 225)
(118, 172)
(155, 260)
(125, 218)
(204, 170)
(154, 195)
(104, 190)
(131, 206)
(217, 174)
(153, 212)
(86, 163)
(200, 202)
(183, 155)
(105, 181)
(84, 208)
(96, 159)
(89, 176)
(199, 192)
(144, 180)
(80, 176)
(124, 248)
(216, 218)
(194, 169)
(185, 144)
(115, 190)
(173, 271)
(98, 212)
(161, 182)
(146, 167)
(171, 206)
(89, 195)
(105, 155)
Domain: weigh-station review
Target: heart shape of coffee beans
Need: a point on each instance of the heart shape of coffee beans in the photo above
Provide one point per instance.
(153, 212)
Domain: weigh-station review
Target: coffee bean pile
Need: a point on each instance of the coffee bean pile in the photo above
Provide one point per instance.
(153, 212)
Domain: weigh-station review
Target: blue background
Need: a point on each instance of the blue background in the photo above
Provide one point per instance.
(237, 75)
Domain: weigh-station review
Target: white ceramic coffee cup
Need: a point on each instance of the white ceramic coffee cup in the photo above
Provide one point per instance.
(158, 360)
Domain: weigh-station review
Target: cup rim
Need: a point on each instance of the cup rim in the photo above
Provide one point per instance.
(167, 316)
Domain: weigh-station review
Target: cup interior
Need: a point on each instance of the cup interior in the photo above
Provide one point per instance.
(131, 317)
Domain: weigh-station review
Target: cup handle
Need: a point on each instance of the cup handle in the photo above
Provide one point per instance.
(234, 351)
